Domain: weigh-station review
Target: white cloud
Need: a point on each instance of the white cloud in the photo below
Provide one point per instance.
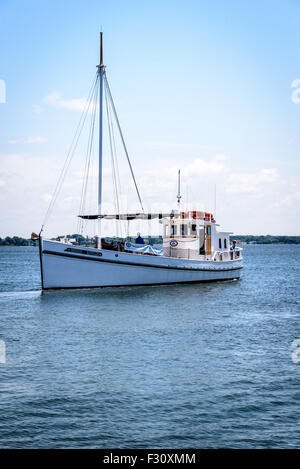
(222, 157)
(71, 199)
(2, 91)
(158, 183)
(268, 175)
(75, 104)
(28, 184)
(198, 178)
(247, 183)
(37, 108)
(47, 197)
(295, 96)
(177, 145)
(246, 201)
(204, 168)
(34, 139)
(197, 168)
(290, 200)
(13, 141)
(29, 140)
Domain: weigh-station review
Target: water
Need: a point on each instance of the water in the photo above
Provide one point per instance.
(190, 366)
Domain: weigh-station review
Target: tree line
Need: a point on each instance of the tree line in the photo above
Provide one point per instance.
(267, 239)
(153, 240)
(81, 240)
(17, 241)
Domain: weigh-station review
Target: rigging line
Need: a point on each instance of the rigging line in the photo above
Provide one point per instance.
(70, 153)
(89, 151)
(85, 176)
(116, 169)
(85, 173)
(122, 138)
(92, 150)
(67, 161)
(116, 161)
(92, 100)
(114, 150)
(118, 180)
(88, 159)
(113, 154)
(88, 156)
(116, 198)
(91, 200)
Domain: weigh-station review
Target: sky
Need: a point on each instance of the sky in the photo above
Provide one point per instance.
(208, 87)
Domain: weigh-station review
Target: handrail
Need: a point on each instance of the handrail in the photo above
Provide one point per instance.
(231, 255)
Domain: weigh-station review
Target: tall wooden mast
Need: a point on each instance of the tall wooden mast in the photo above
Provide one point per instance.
(101, 71)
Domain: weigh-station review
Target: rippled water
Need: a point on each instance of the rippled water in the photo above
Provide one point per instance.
(184, 366)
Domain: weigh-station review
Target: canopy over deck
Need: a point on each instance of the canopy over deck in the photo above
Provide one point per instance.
(129, 216)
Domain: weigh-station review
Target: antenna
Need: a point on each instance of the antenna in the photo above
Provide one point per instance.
(215, 207)
(178, 193)
(187, 197)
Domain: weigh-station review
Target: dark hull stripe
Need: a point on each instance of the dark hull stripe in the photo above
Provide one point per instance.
(138, 264)
(145, 284)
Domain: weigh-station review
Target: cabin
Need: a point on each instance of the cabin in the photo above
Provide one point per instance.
(194, 235)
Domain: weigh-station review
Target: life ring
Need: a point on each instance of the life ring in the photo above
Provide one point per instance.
(173, 243)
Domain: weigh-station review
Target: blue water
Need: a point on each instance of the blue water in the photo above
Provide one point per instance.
(184, 366)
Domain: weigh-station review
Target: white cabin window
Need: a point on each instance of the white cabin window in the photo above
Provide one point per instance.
(225, 243)
(220, 243)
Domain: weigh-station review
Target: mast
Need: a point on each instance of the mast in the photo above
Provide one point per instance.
(178, 192)
(101, 71)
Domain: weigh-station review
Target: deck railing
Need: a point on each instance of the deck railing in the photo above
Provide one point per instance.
(193, 254)
(231, 255)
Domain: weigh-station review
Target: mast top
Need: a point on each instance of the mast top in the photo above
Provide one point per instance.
(101, 50)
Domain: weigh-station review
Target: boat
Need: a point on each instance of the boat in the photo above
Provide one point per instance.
(194, 250)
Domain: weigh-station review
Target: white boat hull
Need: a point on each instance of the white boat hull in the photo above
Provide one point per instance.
(68, 266)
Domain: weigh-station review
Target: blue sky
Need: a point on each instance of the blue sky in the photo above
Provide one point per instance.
(205, 86)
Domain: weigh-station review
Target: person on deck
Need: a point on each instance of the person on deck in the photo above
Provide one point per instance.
(139, 239)
(232, 248)
(233, 245)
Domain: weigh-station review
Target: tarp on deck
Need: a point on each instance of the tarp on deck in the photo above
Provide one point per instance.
(143, 249)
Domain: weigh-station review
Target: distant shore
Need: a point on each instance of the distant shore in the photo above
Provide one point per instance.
(241, 239)
(266, 239)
